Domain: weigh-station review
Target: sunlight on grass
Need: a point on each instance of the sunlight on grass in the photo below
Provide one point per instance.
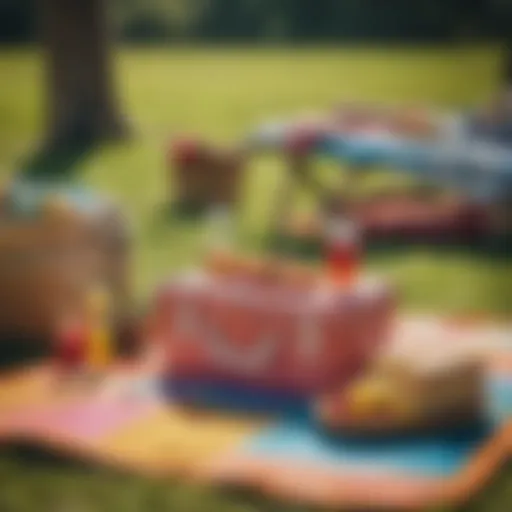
(223, 93)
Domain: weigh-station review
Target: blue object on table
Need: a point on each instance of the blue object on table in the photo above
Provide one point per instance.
(480, 168)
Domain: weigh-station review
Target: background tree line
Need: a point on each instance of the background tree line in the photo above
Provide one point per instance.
(285, 20)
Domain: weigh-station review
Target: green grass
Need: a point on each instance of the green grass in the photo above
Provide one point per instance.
(221, 94)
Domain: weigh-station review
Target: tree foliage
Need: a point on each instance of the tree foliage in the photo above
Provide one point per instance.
(288, 20)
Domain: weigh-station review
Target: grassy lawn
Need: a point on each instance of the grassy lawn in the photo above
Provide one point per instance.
(222, 94)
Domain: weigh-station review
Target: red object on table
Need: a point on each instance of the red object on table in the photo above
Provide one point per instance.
(343, 251)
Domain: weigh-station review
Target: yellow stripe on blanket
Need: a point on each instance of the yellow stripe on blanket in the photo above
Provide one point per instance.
(26, 387)
(177, 440)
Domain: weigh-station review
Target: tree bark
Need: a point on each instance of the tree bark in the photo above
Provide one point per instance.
(507, 71)
(81, 103)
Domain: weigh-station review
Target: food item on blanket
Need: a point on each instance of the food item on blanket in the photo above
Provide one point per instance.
(416, 387)
(221, 262)
(226, 264)
(260, 271)
(300, 276)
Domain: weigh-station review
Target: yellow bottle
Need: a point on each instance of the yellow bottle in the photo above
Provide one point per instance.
(100, 342)
(100, 347)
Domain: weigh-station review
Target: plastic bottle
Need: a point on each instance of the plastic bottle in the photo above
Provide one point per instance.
(100, 340)
(220, 230)
(342, 250)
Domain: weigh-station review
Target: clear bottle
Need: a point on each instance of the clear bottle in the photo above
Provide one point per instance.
(343, 248)
(219, 236)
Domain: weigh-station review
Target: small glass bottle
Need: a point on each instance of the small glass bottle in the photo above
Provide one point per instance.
(343, 247)
(219, 237)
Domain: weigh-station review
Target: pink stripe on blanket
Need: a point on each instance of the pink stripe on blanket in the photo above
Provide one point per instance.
(86, 420)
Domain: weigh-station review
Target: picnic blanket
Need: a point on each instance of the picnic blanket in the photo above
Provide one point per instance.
(127, 423)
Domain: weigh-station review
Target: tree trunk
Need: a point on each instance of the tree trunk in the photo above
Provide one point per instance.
(81, 102)
(508, 63)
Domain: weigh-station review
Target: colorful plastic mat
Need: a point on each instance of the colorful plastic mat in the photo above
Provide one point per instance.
(126, 423)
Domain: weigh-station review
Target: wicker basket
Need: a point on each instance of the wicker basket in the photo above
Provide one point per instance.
(48, 263)
(212, 177)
